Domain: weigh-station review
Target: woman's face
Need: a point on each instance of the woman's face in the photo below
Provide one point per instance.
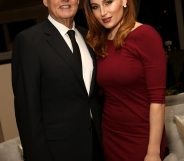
(109, 13)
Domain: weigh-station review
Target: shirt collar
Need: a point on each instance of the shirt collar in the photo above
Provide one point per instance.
(61, 28)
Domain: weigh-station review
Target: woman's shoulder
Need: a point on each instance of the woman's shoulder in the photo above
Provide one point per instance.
(143, 27)
(136, 26)
(144, 31)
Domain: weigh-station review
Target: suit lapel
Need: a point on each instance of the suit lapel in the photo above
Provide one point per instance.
(57, 42)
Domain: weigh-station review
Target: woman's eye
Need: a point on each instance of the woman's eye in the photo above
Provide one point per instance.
(108, 2)
(93, 7)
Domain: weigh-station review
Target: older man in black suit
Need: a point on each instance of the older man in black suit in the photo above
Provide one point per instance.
(56, 99)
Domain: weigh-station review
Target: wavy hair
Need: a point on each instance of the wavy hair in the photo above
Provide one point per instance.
(97, 34)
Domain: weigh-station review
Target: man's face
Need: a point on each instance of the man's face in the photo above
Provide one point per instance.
(62, 10)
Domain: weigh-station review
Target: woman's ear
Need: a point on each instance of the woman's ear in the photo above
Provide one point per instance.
(124, 3)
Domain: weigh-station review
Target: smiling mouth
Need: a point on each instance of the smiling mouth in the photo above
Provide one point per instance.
(106, 20)
(65, 7)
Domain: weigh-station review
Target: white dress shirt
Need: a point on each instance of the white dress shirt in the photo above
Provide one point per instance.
(87, 63)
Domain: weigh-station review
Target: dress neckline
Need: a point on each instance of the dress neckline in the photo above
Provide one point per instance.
(135, 30)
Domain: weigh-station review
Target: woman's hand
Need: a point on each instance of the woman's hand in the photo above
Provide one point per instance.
(152, 157)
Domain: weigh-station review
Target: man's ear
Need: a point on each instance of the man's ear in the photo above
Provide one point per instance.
(45, 3)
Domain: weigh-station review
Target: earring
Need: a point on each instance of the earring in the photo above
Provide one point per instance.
(125, 6)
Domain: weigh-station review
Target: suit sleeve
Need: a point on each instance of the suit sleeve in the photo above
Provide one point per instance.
(28, 109)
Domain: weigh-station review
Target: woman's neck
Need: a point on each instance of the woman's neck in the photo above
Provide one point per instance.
(113, 31)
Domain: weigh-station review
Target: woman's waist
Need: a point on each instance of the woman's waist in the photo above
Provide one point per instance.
(126, 113)
(131, 125)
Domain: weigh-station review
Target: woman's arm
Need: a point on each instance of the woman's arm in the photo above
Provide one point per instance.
(156, 129)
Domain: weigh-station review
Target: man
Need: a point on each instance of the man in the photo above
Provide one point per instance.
(56, 101)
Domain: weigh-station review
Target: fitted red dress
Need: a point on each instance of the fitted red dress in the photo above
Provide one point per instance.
(130, 79)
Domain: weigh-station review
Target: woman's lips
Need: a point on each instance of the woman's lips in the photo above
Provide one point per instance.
(106, 20)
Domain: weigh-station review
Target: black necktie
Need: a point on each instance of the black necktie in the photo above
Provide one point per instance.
(76, 50)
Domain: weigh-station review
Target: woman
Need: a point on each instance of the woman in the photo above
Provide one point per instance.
(131, 72)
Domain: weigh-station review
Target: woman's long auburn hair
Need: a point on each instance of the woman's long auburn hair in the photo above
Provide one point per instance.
(97, 34)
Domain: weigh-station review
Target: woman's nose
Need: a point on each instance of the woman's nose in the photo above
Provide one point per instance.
(103, 11)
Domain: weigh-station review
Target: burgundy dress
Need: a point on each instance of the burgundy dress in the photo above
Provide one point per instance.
(130, 79)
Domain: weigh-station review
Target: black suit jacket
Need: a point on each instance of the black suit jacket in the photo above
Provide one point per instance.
(52, 106)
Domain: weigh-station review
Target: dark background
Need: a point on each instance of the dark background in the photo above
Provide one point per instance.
(160, 14)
